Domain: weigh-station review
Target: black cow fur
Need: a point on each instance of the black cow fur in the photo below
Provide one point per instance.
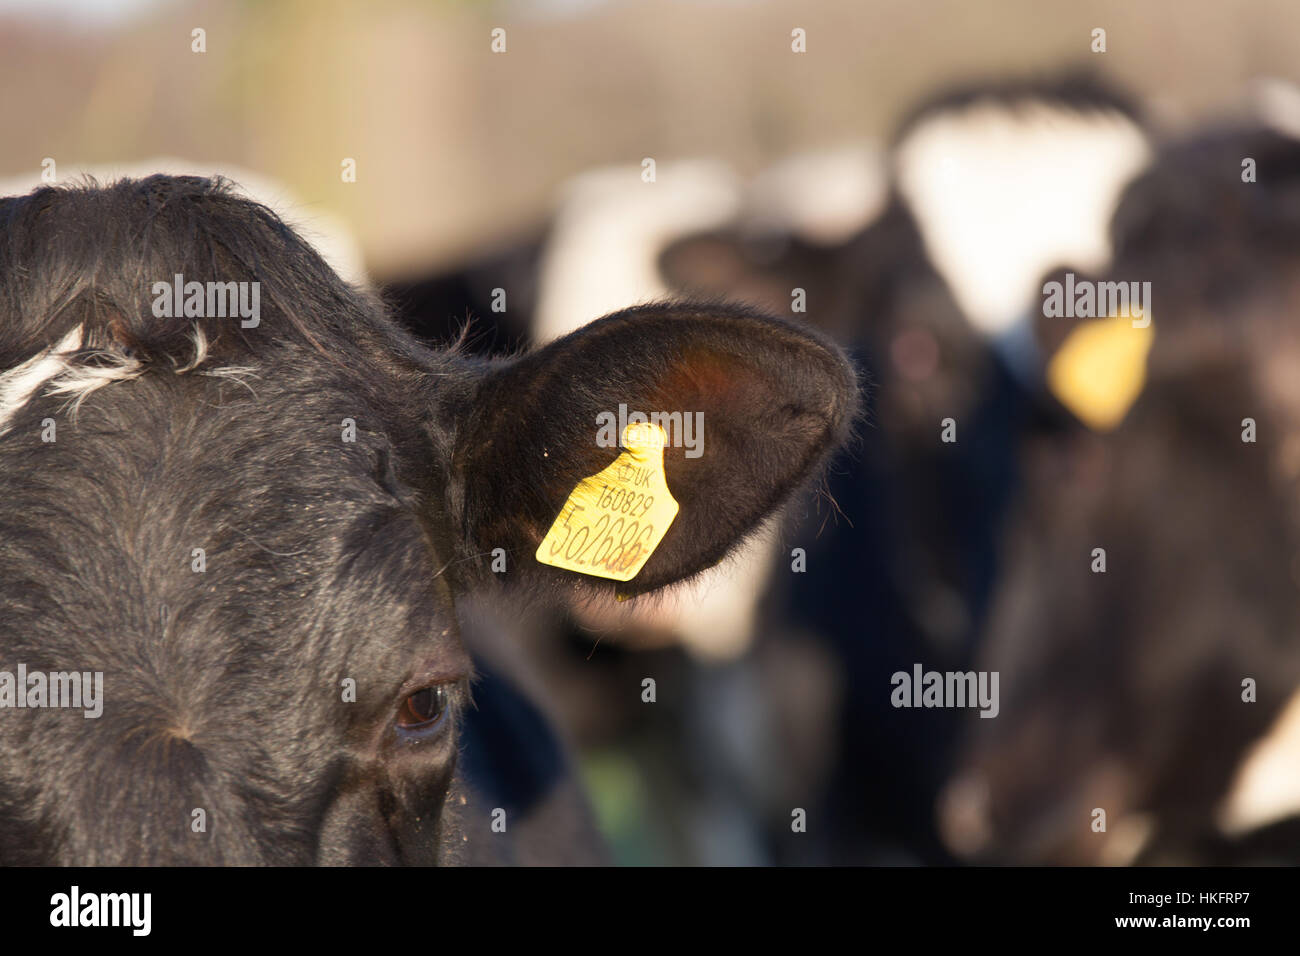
(326, 560)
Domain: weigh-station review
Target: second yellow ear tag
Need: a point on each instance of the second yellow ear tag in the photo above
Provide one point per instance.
(613, 521)
(1099, 371)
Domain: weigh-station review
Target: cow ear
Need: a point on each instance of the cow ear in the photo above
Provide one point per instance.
(750, 408)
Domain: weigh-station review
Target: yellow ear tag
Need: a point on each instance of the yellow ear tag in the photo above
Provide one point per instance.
(1099, 371)
(614, 520)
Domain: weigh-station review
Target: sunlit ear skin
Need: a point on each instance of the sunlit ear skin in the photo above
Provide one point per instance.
(776, 400)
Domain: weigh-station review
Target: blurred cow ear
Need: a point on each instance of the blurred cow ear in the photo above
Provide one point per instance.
(760, 270)
(750, 408)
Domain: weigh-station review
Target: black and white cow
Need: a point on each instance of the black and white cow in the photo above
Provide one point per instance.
(264, 532)
(1164, 690)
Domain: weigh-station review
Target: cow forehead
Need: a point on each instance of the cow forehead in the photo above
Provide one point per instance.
(221, 523)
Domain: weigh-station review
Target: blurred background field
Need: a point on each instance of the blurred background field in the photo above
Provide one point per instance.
(458, 148)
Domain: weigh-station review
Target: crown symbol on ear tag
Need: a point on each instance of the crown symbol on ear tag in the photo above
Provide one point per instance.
(614, 520)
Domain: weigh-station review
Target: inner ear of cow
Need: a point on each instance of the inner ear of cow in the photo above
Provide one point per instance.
(774, 401)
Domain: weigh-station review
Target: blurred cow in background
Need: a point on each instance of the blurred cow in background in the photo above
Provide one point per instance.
(1163, 691)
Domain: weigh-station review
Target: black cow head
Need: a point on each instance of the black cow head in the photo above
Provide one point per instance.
(257, 528)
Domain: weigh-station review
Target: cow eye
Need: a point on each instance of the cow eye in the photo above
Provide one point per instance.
(423, 708)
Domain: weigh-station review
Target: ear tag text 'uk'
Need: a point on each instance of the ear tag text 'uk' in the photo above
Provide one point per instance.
(613, 521)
